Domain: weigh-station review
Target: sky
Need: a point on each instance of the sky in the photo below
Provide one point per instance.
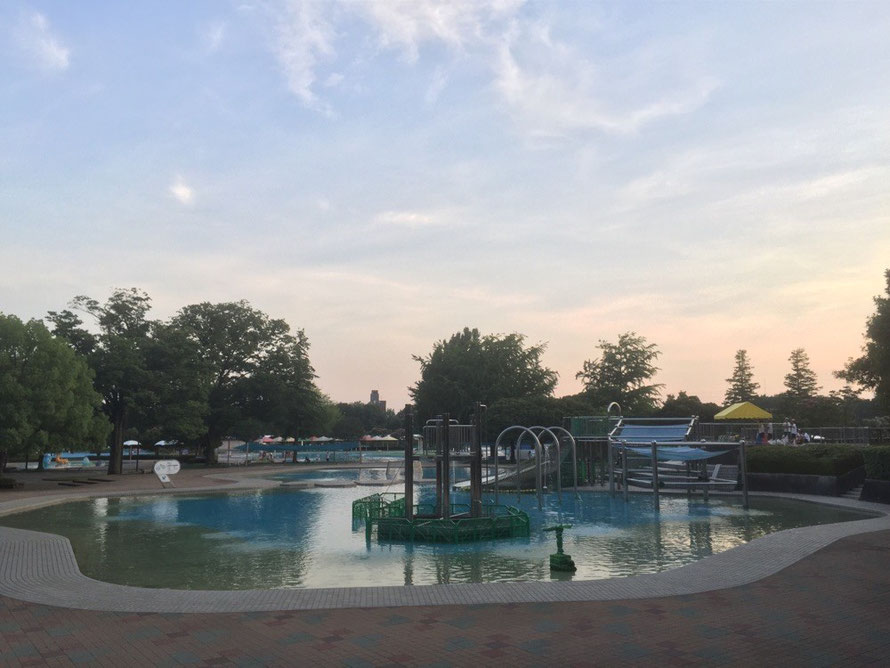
(711, 176)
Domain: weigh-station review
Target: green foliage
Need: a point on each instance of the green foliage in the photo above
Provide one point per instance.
(811, 459)
(872, 369)
(684, 405)
(470, 367)
(47, 399)
(532, 411)
(741, 384)
(116, 354)
(621, 374)
(356, 419)
(801, 381)
(877, 462)
(256, 373)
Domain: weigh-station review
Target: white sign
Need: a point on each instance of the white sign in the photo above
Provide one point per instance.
(165, 468)
(168, 466)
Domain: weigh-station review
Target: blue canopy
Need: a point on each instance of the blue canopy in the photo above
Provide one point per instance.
(681, 453)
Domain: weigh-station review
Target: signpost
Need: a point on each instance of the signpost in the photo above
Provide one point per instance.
(164, 468)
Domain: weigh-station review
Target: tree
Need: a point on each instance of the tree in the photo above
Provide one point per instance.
(685, 404)
(175, 394)
(470, 367)
(872, 369)
(357, 419)
(46, 392)
(529, 411)
(741, 384)
(116, 354)
(801, 382)
(256, 372)
(621, 374)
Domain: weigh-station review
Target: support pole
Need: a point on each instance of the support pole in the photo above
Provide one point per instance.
(624, 480)
(611, 468)
(744, 469)
(704, 474)
(409, 462)
(655, 474)
(497, 473)
(446, 465)
(476, 464)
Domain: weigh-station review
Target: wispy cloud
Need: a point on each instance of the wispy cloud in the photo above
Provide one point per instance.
(182, 191)
(553, 90)
(213, 35)
(44, 48)
(407, 24)
(304, 37)
(410, 218)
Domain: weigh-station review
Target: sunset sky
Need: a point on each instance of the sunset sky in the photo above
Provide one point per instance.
(713, 176)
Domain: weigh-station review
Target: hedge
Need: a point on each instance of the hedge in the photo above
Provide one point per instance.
(832, 460)
(877, 462)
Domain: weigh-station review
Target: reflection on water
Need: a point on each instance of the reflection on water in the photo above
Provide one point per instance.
(305, 538)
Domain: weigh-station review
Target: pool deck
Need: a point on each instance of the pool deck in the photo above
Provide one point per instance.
(815, 595)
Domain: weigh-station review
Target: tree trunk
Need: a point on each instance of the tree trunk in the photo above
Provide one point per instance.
(115, 460)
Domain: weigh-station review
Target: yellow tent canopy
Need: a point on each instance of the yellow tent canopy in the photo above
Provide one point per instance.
(743, 411)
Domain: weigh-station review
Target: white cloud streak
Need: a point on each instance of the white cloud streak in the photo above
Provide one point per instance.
(182, 192)
(552, 90)
(304, 38)
(37, 40)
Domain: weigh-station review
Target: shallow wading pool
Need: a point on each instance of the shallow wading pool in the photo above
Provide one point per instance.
(295, 538)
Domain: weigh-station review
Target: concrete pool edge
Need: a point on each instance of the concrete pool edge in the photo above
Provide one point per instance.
(41, 568)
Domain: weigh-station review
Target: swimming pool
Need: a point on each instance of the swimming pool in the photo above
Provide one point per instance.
(294, 538)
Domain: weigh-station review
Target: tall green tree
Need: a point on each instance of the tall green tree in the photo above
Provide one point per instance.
(256, 372)
(872, 369)
(801, 381)
(175, 395)
(622, 373)
(116, 354)
(741, 384)
(470, 367)
(47, 398)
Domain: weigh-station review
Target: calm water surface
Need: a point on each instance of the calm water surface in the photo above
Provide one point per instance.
(305, 538)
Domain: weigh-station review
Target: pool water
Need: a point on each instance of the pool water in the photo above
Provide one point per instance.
(295, 538)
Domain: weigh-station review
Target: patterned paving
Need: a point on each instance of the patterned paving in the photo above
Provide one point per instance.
(830, 608)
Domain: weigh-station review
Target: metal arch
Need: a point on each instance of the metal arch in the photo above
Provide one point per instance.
(574, 456)
(539, 455)
(558, 458)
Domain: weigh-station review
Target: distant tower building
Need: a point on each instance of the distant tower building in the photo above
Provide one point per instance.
(375, 400)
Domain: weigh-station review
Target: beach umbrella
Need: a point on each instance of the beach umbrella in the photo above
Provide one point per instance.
(131, 442)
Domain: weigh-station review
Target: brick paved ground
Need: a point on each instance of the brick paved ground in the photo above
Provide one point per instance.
(831, 608)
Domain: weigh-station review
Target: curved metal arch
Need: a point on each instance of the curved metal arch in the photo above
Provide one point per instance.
(539, 455)
(574, 455)
(540, 429)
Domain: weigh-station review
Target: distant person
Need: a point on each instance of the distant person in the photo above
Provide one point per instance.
(794, 432)
(786, 430)
(761, 433)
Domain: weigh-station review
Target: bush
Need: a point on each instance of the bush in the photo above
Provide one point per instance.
(832, 460)
(877, 462)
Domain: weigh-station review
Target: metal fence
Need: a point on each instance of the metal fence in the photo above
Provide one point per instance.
(734, 431)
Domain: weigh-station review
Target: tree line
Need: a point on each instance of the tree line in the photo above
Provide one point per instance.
(105, 371)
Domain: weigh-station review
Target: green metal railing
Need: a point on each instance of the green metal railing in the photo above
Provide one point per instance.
(383, 504)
